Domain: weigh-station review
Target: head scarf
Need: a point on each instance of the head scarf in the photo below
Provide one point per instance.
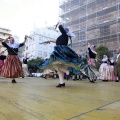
(105, 58)
(112, 60)
(14, 45)
(92, 49)
(69, 33)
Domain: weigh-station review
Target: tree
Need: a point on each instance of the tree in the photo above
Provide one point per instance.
(102, 50)
(32, 64)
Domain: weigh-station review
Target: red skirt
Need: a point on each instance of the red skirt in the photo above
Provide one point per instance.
(12, 67)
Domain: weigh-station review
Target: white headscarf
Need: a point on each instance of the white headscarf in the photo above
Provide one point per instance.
(112, 60)
(69, 33)
(14, 45)
(105, 58)
(91, 48)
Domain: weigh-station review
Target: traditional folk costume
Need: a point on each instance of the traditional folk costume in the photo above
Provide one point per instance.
(108, 72)
(12, 67)
(2, 58)
(62, 57)
(103, 68)
(117, 66)
(113, 77)
(25, 67)
(90, 67)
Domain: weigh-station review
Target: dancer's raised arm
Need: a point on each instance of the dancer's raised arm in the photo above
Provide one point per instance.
(48, 42)
(7, 39)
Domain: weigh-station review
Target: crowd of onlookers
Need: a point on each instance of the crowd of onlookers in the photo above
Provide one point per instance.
(110, 68)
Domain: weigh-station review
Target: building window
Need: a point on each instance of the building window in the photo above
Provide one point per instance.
(105, 30)
(26, 47)
(40, 53)
(45, 54)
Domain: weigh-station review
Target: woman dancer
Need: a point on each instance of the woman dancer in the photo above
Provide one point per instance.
(12, 67)
(2, 58)
(92, 54)
(90, 68)
(62, 57)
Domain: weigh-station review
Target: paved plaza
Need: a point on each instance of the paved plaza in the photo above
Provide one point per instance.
(39, 99)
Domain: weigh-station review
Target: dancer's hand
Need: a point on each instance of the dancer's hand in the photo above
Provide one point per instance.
(46, 42)
(28, 37)
(88, 44)
(2, 52)
(7, 39)
(25, 37)
(56, 25)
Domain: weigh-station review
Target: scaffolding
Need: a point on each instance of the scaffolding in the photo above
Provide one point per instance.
(93, 21)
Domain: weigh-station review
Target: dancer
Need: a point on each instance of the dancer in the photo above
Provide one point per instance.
(90, 67)
(62, 57)
(92, 54)
(2, 58)
(25, 66)
(12, 67)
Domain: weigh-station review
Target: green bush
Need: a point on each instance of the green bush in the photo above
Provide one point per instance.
(32, 64)
(102, 50)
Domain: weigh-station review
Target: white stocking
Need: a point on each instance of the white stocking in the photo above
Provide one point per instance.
(61, 76)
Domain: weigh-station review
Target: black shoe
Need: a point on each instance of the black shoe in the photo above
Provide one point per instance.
(92, 81)
(13, 81)
(68, 76)
(61, 85)
(88, 78)
(74, 79)
(95, 79)
(117, 81)
(105, 80)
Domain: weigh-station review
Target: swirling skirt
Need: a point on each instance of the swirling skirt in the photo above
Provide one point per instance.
(12, 67)
(91, 69)
(87, 69)
(61, 56)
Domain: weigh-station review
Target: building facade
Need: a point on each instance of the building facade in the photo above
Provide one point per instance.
(4, 33)
(93, 21)
(33, 47)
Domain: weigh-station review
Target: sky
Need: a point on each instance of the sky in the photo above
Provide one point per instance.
(21, 16)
